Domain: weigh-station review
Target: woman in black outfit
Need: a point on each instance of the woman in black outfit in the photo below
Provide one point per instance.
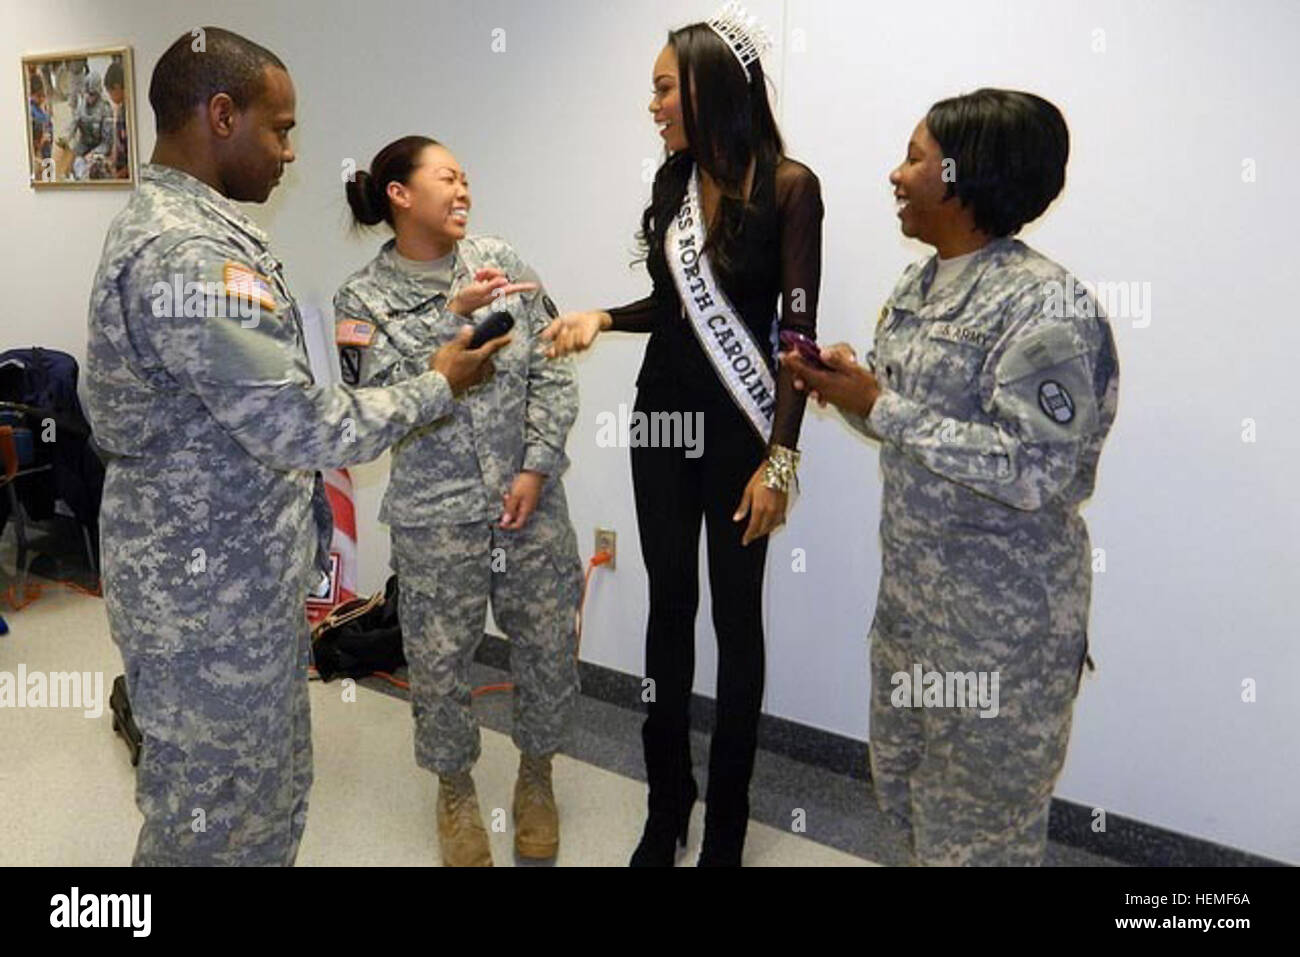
(763, 240)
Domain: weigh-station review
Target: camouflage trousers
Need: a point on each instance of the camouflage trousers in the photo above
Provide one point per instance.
(972, 790)
(226, 761)
(533, 577)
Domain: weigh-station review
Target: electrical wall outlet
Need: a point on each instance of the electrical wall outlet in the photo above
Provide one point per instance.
(606, 541)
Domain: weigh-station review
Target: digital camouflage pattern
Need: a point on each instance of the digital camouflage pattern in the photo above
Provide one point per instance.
(201, 396)
(91, 129)
(456, 469)
(445, 498)
(533, 577)
(992, 418)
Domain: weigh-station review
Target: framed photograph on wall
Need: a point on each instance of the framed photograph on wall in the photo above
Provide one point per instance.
(79, 110)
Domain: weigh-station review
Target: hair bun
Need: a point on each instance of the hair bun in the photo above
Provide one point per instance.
(359, 190)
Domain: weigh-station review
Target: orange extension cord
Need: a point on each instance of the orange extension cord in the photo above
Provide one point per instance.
(35, 590)
(600, 558)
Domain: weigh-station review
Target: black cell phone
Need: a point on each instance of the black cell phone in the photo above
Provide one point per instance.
(497, 324)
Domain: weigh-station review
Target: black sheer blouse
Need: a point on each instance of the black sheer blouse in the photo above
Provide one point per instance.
(779, 255)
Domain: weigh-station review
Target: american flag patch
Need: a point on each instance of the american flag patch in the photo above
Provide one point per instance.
(354, 332)
(243, 283)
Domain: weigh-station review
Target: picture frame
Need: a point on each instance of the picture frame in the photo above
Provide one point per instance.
(79, 113)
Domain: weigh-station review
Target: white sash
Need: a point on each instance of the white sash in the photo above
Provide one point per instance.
(727, 341)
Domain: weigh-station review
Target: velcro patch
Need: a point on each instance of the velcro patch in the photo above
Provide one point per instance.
(242, 282)
(354, 332)
(1044, 348)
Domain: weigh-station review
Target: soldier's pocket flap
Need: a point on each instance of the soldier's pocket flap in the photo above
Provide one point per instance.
(1041, 349)
(249, 352)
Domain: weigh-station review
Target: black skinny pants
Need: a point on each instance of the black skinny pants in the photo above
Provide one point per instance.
(673, 493)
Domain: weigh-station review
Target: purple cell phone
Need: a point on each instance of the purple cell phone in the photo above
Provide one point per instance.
(807, 349)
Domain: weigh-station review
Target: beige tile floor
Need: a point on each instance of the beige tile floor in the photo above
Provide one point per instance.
(66, 785)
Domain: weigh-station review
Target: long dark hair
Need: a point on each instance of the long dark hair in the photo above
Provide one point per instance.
(367, 192)
(728, 123)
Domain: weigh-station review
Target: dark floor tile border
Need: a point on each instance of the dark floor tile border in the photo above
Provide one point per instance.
(1125, 840)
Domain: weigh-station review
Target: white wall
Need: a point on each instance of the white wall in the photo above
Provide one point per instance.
(1198, 527)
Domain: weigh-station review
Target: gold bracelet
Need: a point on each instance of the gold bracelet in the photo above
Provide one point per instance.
(778, 474)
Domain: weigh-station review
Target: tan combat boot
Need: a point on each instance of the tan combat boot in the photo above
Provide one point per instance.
(537, 823)
(461, 834)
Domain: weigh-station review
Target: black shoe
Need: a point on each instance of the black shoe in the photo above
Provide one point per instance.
(123, 721)
(665, 832)
(724, 841)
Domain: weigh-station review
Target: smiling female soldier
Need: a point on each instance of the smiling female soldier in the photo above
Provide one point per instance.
(991, 397)
(475, 502)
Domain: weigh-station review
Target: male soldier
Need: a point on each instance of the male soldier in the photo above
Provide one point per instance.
(476, 503)
(991, 405)
(90, 133)
(200, 391)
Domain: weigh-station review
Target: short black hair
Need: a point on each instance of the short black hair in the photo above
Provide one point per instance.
(113, 75)
(191, 73)
(1010, 150)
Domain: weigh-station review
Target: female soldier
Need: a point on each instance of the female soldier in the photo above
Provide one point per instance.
(499, 456)
(991, 396)
(732, 224)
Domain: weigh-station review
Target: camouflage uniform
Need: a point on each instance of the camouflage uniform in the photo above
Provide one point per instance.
(92, 128)
(445, 497)
(991, 418)
(213, 519)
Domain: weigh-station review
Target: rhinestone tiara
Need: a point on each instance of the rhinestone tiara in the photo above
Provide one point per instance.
(747, 38)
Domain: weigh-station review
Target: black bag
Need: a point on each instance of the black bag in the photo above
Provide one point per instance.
(360, 637)
(356, 639)
(42, 384)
